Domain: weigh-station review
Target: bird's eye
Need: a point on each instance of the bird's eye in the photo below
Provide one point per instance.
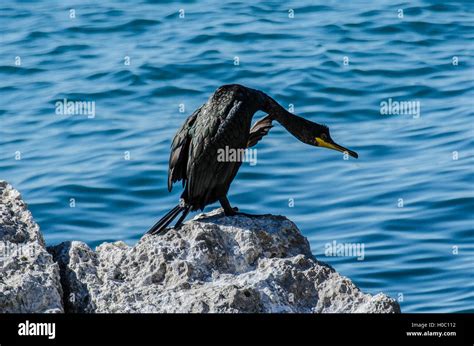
(324, 137)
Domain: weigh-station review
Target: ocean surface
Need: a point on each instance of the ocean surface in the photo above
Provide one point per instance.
(408, 200)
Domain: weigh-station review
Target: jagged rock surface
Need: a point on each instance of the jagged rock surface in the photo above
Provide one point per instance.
(29, 279)
(212, 264)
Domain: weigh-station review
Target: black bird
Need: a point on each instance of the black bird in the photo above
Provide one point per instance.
(224, 121)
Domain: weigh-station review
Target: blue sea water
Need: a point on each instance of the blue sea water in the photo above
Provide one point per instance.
(333, 62)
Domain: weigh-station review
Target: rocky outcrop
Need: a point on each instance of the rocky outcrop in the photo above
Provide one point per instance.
(212, 263)
(29, 279)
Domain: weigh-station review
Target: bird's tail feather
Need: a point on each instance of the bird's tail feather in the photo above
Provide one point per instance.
(186, 211)
(167, 219)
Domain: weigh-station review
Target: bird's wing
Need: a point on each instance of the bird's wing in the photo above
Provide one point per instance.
(179, 151)
(259, 130)
(213, 131)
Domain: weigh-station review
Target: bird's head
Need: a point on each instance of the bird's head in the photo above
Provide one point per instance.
(319, 136)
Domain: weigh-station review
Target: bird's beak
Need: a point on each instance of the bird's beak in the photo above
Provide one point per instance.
(330, 144)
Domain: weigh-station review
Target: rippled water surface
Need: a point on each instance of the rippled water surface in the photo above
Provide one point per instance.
(421, 253)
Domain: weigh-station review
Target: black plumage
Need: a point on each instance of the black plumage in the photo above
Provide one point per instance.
(225, 121)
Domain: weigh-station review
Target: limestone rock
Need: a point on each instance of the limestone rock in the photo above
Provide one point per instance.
(212, 264)
(29, 279)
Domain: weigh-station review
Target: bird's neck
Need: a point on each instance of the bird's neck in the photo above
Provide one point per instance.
(292, 123)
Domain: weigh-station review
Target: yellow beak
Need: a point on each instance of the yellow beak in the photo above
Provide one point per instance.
(334, 146)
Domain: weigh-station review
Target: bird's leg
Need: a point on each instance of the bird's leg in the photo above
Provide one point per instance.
(228, 210)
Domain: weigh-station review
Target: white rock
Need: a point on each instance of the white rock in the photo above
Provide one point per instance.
(212, 264)
(29, 279)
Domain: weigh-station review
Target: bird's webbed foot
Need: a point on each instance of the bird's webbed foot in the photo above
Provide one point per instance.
(231, 211)
(228, 210)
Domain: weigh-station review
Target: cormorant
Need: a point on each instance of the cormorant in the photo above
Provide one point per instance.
(225, 121)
